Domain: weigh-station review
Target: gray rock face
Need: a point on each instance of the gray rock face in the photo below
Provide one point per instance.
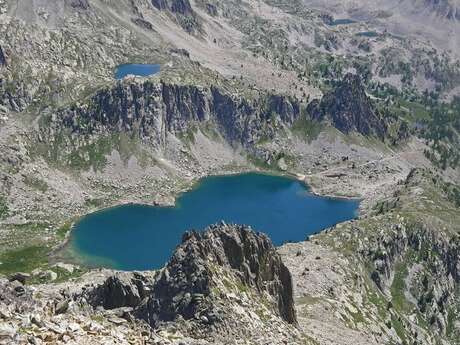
(154, 109)
(121, 290)
(79, 4)
(349, 109)
(160, 4)
(182, 7)
(184, 286)
(189, 272)
(182, 10)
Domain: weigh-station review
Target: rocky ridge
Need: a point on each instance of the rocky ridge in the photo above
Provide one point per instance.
(151, 110)
(214, 280)
(349, 108)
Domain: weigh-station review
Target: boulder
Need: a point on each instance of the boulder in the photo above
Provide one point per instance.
(61, 307)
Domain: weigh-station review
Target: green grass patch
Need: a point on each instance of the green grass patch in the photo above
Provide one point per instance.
(64, 230)
(305, 129)
(398, 288)
(23, 260)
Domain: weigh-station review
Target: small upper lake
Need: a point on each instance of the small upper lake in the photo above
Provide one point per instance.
(137, 237)
(370, 34)
(344, 21)
(142, 70)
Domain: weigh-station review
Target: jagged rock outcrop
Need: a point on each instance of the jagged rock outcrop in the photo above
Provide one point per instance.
(349, 109)
(176, 6)
(79, 4)
(155, 109)
(186, 286)
(187, 280)
(183, 11)
(121, 290)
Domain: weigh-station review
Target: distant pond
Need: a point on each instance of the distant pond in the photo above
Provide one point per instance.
(139, 237)
(370, 34)
(142, 70)
(344, 21)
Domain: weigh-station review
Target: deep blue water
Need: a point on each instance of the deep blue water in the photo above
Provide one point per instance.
(142, 70)
(136, 237)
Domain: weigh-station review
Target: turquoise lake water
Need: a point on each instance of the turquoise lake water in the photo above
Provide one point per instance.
(142, 70)
(137, 237)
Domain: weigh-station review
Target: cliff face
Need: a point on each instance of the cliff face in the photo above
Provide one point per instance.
(349, 109)
(190, 285)
(155, 109)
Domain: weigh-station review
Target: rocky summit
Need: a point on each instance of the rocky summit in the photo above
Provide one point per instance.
(355, 99)
(213, 280)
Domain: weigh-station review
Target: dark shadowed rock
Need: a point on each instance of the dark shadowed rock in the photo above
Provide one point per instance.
(20, 277)
(182, 7)
(186, 282)
(154, 109)
(79, 4)
(160, 4)
(182, 10)
(121, 290)
(349, 109)
(142, 23)
(184, 287)
(2, 57)
(211, 9)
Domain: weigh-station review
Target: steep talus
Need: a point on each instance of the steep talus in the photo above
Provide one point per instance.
(190, 286)
(349, 108)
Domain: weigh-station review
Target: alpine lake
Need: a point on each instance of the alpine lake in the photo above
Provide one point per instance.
(141, 237)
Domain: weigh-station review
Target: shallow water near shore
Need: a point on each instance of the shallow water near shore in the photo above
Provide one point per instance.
(139, 237)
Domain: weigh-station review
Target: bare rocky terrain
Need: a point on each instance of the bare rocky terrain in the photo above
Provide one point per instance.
(357, 99)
